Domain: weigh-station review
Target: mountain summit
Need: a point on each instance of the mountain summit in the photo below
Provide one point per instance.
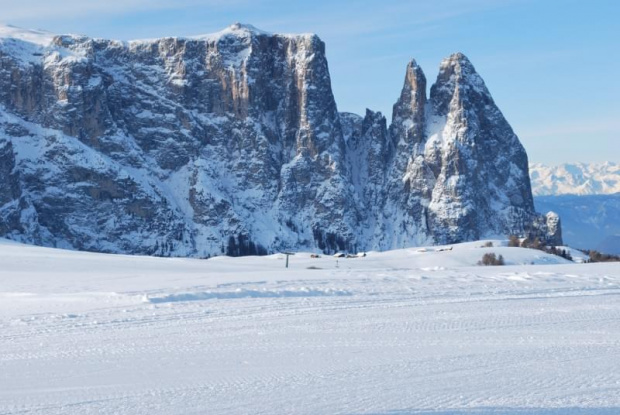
(232, 143)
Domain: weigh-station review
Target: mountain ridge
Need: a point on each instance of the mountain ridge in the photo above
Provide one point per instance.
(575, 178)
(232, 143)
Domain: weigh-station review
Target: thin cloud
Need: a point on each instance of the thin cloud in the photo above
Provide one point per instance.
(343, 20)
(337, 19)
(512, 59)
(590, 127)
(31, 10)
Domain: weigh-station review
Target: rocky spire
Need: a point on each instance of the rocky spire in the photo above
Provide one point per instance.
(554, 229)
(408, 112)
(481, 167)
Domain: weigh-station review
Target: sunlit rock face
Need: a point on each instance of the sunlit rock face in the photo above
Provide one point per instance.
(231, 143)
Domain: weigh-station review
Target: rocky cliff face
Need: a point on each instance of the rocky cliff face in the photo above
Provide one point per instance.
(232, 143)
(481, 167)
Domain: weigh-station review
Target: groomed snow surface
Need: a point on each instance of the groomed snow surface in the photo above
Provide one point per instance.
(402, 332)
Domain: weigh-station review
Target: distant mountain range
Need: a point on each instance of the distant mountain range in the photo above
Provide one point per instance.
(575, 179)
(587, 198)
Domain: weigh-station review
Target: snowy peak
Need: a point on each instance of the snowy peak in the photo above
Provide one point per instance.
(248, 28)
(239, 30)
(457, 61)
(457, 77)
(457, 68)
(26, 46)
(248, 31)
(38, 37)
(575, 178)
(41, 38)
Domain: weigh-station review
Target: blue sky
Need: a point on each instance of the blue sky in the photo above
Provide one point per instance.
(552, 66)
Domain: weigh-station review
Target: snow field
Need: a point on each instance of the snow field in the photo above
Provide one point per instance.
(407, 331)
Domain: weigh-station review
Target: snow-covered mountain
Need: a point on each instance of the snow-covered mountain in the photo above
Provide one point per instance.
(575, 179)
(232, 143)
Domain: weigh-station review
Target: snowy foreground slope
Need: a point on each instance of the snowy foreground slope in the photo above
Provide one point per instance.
(408, 331)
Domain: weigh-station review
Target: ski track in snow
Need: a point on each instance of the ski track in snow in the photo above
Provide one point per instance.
(402, 332)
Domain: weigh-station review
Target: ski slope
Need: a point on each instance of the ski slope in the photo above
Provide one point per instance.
(402, 332)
